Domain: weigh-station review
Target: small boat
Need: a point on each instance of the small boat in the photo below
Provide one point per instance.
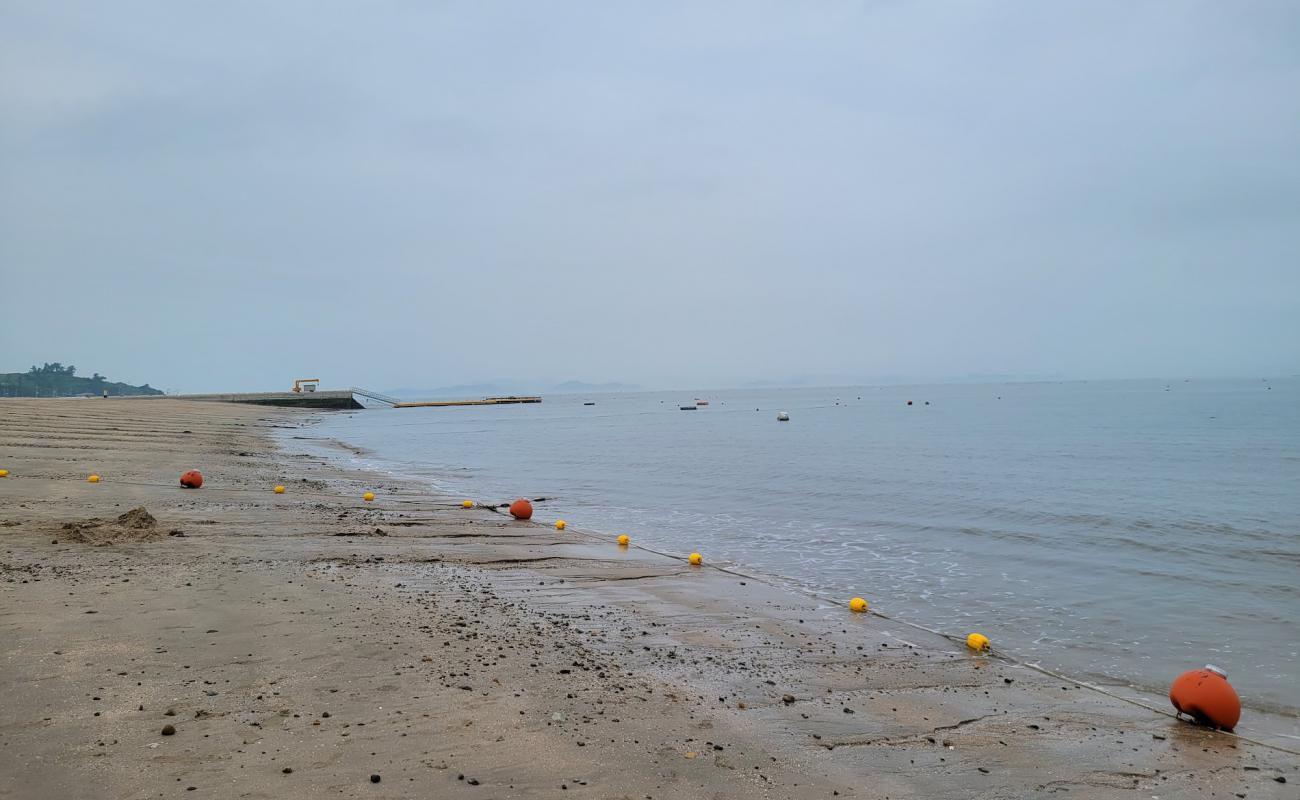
(782, 416)
(686, 408)
(701, 402)
(590, 403)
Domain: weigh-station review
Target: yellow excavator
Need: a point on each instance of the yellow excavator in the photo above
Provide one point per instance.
(306, 384)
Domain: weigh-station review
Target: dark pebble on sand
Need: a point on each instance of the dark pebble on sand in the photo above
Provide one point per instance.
(787, 699)
(168, 730)
(374, 778)
(287, 770)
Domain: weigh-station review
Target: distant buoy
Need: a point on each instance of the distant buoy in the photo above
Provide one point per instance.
(279, 490)
(909, 402)
(623, 539)
(521, 509)
(93, 479)
(467, 504)
(696, 559)
(977, 641)
(858, 604)
(192, 479)
(368, 496)
(4, 473)
(1206, 696)
(782, 416)
(560, 524)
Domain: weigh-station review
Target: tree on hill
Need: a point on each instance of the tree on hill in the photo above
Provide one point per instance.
(56, 380)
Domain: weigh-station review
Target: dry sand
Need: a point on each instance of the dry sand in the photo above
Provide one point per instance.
(299, 645)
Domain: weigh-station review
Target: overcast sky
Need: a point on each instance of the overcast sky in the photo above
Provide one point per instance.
(232, 195)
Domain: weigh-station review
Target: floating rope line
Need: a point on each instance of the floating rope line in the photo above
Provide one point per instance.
(996, 653)
(817, 595)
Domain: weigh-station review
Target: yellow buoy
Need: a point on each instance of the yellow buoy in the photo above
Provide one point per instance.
(368, 496)
(560, 524)
(93, 479)
(623, 539)
(4, 473)
(977, 641)
(467, 504)
(279, 490)
(696, 559)
(858, 604)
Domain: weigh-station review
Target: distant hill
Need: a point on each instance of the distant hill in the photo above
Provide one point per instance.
(579, 387)
(56, 380)
(463, 391)
(475, 390)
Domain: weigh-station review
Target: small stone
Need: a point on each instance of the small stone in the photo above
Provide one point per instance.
(787, 699)
(374, 778)
(287, 770)
(169, 730)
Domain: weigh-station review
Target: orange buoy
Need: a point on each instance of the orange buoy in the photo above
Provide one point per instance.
(1206, 696)
(521, 509)
(192, 479)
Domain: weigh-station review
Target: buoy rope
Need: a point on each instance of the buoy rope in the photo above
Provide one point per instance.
(960, 640)
(815, 594)
(235, 489)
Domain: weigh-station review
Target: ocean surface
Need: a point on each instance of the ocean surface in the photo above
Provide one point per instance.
(1120, 531)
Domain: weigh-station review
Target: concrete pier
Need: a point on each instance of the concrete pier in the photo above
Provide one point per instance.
(333, 400)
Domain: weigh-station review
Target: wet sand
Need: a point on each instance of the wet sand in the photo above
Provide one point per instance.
(302, 644)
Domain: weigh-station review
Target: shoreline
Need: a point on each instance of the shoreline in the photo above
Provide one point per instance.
(1277, 724)
(612, 673)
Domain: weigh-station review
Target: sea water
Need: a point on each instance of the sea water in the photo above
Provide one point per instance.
(1120, 531)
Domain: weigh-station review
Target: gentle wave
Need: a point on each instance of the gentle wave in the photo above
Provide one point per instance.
(1115, 530)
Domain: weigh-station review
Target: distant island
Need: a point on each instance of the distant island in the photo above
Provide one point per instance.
(578, 387)
(56, 380)
(505, 387)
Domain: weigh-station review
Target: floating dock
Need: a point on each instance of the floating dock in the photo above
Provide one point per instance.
(487, 401)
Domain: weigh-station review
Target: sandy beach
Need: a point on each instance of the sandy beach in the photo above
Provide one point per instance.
(258, 645)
